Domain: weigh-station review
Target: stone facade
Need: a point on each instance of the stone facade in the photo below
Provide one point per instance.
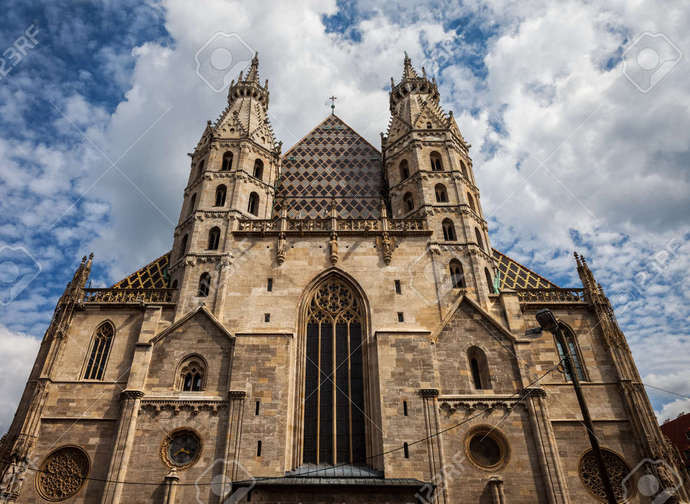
(200, 393)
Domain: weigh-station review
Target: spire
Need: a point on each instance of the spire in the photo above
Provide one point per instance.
(253, 74)
(408, 70)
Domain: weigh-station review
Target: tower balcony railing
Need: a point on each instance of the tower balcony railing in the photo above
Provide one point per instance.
(129, 296)
(551, 295)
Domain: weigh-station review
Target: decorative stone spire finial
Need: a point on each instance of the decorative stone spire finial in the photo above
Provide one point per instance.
(253, 74)
(408, 71)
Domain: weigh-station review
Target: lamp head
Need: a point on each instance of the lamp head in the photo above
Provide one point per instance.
(547, 320)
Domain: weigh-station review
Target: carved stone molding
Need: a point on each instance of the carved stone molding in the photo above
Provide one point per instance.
(186, 404)
(488, 404)
(131, 394)
(237, 394)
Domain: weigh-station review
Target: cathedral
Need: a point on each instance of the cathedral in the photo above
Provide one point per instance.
(332, 325)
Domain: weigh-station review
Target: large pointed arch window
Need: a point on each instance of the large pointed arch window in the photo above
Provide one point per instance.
(100, 348)
(334, 381)
(575, 356)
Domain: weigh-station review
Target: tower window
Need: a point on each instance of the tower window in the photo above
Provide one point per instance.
(398, 288)
(470, 201)
(404, 408)
(478, 235)
(269, 285)
(492, 290)
(479, 367)
(258, 406)
(204, 284)
(191, 375)
(253, 206)
(408, 201)
(267, 317)
(214, 238)
(221, 191)
(574, 353)
(227, 161)
(436, 164)
(258, 448)
(406, 450)
(457, 275)
(259, 169)
(441, 193)
(404, 170)
(463, 167)
(183, 245)
(100, 349)
(192, 203)
(448, 230)
(401, 317)
(428, 125)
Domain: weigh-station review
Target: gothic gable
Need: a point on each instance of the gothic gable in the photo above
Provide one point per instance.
(331, 166)
(198, 335)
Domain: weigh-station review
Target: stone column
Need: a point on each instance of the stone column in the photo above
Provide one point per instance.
(546, 448)
(131, 401)
(170, 483)
(434, 445)
(233, 438)
(496, 489)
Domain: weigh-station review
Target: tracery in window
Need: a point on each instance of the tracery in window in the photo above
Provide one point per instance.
(457, 275)
(334, 382)
(448, 230)
(204, 284)
(575, 357)
(618, 472)
(441, 193)
(62, 473)
(191, 375)
(436, 164)
(100, 348)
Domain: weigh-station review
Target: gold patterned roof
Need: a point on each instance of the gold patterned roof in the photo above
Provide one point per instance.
(152, 276)
(516, 276)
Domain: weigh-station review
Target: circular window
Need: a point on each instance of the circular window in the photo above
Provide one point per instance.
(181, 448)
(62, 473)
(617, 470)
(486, 447)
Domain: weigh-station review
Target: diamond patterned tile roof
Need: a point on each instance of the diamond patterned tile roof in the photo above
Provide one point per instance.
(516, 276)
(331, 165)
(152, 276)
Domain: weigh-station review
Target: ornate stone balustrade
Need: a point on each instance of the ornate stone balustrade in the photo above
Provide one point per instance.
(329, 225)
(555, 295)
(129, 296)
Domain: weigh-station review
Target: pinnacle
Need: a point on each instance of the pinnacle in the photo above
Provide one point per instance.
(408, 70)
(253, 74)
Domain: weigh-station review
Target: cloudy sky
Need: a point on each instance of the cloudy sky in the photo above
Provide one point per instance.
(577, 113)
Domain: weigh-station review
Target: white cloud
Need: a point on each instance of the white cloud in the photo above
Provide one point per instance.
(19, 351)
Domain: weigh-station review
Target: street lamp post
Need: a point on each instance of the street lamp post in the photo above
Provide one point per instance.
(548, 322)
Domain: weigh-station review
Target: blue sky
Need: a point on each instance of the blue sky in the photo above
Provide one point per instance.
(572, 146)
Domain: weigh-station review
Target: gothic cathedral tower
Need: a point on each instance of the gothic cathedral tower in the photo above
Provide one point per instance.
(234, 170)
(429, 174)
